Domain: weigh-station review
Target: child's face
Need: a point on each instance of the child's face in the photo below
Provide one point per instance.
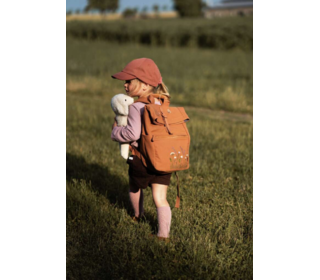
(134, 88)
(128, 86)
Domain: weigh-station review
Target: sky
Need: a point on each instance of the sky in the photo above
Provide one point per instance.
(123, 4)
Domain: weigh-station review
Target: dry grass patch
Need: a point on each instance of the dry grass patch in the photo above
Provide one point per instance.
(94, 17)
(87, 83)
(76, 85)
(234, 101)
(117, 16)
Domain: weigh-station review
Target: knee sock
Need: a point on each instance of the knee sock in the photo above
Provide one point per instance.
(136, 199)
(164, 220)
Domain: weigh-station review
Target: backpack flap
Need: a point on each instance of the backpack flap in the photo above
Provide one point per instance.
(175, 115)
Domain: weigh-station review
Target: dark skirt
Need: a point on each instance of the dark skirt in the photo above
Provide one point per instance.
(140, 177)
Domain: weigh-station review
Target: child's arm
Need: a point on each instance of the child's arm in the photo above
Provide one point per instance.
(131, 132)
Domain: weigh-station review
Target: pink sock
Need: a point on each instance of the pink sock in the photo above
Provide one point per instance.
(164, 220)
(137, 202)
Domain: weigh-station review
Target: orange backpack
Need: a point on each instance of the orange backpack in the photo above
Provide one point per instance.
(165, 140)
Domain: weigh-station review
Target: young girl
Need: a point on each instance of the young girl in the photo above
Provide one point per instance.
(142, 78)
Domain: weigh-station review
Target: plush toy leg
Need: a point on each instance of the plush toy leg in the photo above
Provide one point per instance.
(124, 150)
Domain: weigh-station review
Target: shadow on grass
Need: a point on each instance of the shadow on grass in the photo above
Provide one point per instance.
(102, 181)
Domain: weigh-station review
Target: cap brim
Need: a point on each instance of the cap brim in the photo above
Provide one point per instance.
(123, 76)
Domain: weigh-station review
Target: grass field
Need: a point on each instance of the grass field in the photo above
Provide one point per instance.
(212, 232)
(204, 78)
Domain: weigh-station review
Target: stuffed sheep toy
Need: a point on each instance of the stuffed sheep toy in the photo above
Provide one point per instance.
(120, 105)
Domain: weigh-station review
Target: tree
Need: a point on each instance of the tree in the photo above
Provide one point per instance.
(102, 5)
(156, 10)
(189, 8)
(164, 7)
(86, 9)
(235, 1)
(130, 13)
(143, 14)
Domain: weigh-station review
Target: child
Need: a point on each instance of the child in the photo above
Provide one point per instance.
(142, 78)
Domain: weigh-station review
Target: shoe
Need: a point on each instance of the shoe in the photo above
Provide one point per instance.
(136, 219)
(164, 239)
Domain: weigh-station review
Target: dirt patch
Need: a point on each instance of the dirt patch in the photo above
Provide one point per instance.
(220, 114)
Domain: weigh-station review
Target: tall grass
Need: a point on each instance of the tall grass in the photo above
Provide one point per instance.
(211, 234)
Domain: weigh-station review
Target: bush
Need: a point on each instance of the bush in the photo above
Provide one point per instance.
(227, 33)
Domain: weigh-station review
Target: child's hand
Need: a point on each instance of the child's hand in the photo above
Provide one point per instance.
(114, 124)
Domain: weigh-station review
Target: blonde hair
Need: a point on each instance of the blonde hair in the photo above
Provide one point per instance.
(161, 89)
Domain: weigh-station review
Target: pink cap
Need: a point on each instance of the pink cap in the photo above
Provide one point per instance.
(142, 68)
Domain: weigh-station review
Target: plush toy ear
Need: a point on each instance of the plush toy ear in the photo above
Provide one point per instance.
(115, 105)
(119, 108)
(126, 109)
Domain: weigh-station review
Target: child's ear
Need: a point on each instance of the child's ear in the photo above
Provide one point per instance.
(144, 86)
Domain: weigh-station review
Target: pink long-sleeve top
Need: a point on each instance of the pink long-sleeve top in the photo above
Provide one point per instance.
(132, 131)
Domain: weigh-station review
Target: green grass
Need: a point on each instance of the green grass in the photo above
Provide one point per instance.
(212, 232)
(219, 80)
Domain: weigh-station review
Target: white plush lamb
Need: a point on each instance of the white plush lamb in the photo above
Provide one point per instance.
(120, 105)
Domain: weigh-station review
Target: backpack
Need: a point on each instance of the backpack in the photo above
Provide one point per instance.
(165, 140)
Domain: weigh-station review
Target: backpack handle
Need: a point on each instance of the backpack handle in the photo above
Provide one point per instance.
(164, 100)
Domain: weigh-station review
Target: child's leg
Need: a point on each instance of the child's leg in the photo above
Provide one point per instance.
(159, 193)
(136, 198)
(141, 209)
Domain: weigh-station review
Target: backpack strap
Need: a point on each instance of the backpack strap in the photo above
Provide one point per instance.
(164, 116)
(150, 99)
(134, 151)
(143, 100)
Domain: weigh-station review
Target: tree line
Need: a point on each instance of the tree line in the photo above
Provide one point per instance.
(185, 8)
